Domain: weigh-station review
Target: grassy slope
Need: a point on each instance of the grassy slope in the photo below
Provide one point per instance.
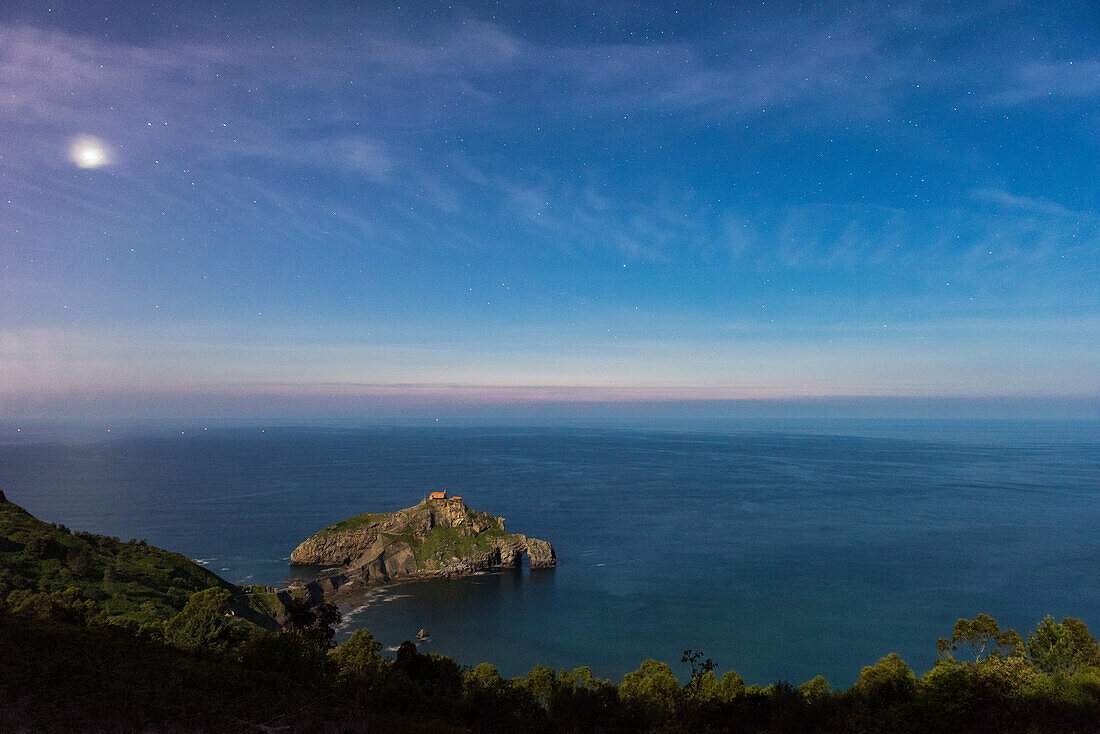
(442, 545)
(126, 584)
(354, 523)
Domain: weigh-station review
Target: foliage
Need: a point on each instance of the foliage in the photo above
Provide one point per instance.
(582, 698)
(49, 572)
(360, 659)
(296, 658)
(981, 635)
(653, 687)
(208, 622)
(313, 624)
(484, 680)
(816, 690)
(355, 687)
(890, 679)
(1062, 648)
(428, 680)
(263, 601)
(702, 676)
(730, 687)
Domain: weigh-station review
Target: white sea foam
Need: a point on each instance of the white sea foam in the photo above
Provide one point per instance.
(346, 620)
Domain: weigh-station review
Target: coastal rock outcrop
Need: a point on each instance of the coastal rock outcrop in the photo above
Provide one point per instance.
(441, 536)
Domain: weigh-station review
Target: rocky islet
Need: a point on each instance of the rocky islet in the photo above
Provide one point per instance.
(439, 537)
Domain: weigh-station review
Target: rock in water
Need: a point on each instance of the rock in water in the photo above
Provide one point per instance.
(438, 537)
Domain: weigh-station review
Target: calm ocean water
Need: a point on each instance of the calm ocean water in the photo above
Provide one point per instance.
(781, 550)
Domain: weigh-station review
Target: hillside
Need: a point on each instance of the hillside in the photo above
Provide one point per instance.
(50, 572)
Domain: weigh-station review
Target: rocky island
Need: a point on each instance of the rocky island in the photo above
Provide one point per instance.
(441, 536)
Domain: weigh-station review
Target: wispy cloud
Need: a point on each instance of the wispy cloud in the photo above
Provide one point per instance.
(969, 243)
(993, 227)
(1027, 204)
(1052, 80)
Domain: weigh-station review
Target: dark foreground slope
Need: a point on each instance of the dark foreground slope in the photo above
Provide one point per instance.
(63, 677)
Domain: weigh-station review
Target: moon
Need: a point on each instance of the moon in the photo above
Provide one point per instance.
(87, 152)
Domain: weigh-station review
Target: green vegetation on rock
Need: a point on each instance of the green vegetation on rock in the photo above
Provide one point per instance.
(354, 523)
(443, 545)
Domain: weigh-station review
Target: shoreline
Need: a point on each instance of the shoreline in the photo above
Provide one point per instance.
(344, 593)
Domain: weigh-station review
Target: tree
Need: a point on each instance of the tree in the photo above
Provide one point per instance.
(816, 690)
(541, 684)
(582, 680)
(731, 686)
(889, 679)
(978, 635)
(311, 624)
(207, 622)
(497, 702)
(437, 677)
(360, 659)
(1064, 648)
(702, 674)
(1009, 643)
(652, 686)
(706, 688)
(287, 655)
(483, 677)
(581, 699)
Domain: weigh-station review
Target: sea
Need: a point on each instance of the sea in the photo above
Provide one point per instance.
(779, 549)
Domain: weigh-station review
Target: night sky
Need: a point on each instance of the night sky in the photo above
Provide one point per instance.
(318, 209)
